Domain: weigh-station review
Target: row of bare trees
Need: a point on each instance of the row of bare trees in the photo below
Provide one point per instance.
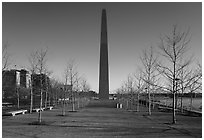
(73, 83)
(174, 74)
(54, 89)
(66, 89)
(37, 60)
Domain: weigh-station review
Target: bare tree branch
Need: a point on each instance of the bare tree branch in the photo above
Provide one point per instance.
(5, 57)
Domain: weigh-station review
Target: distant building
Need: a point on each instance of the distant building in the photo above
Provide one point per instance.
(24, 78)
(36, 82)
(13, 79)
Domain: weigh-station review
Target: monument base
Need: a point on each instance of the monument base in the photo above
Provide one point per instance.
(103, 103)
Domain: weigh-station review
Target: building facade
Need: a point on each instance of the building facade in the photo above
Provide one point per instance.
(12, 80)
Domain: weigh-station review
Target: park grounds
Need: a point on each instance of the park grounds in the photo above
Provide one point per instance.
(102, 122)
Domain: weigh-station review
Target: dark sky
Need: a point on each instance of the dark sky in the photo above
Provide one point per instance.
(72, 31)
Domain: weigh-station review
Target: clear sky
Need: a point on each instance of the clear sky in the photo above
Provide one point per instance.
(72, 31)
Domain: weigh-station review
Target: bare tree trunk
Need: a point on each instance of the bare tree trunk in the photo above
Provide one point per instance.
(138, 102)
(56, 99)
(46, 92)
(63, 110)
(191, 103)
(40, 112)
(49, 100)
(153, 103)
(78, 103)
(176, 96)
(45, 99)
(149, 98)
(182, 103)
(174, 113)
(127, 104)
(74, 101)
(31, 96)
(73, 107)
(18, 98)
(41, 102)
(182, 90)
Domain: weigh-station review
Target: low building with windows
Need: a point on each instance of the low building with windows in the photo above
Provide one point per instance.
(13, 80)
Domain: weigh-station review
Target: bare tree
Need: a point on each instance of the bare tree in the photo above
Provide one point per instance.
(47, 89)
(188, 78)
(139, 84)
(130, 89)
(199, 76)
(183, 76)
(55, 90)
(81, 84)
(120, 94)
(5, 57)
(194, 83)
(84, 85)
(66, 76)
(149, 61)
(41, 68)
(126, 92)
(173, 47)
(5, 62)
(33, 69)
(72, 79)
(33, 61)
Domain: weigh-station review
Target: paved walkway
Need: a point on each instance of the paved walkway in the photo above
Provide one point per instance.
(102, 122)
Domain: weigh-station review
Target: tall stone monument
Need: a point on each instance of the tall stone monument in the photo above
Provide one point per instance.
(103, 70)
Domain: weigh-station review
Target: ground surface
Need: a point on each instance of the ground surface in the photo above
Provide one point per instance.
(101, 122)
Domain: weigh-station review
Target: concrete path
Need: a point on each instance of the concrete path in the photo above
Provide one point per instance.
(102, 122)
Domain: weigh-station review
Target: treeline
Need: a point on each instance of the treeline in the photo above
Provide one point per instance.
(167, 68)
